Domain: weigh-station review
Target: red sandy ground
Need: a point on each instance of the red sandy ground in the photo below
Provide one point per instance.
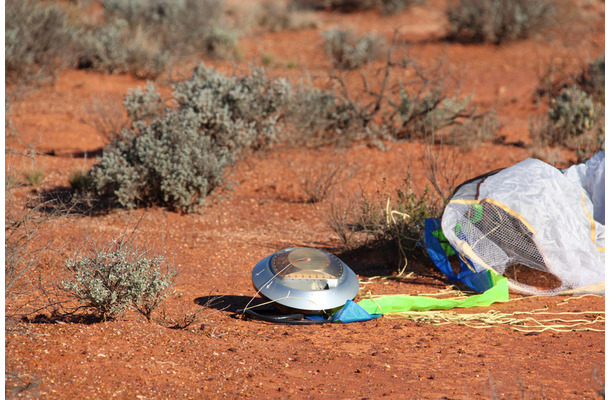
(224, 357)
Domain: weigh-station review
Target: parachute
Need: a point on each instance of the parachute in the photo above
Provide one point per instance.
(541, 227)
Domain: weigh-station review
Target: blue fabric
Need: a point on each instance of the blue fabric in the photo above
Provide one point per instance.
(479, 281)
(352, 312)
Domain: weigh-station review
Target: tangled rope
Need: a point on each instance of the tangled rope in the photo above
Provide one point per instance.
(523, 321)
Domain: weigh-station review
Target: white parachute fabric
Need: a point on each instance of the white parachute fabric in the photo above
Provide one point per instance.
(591, 176)
(535, 216)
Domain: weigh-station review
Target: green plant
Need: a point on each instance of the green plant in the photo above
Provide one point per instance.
(386, 218)
(34, 176)
(80, 180)
(497, 21)
(266, 59)
(349, 51)
(110, 280)
(178, 157)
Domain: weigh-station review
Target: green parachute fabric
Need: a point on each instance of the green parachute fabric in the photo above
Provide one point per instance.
(401, 303)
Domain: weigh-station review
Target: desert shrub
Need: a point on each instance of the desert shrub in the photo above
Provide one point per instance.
(473, 131)
(497, 21)
(314, 111)
(179, 157)
(38, 40)
(23, 228)
(386, 218)
(277, 15)
(182, 26)
(394, 109)
(391, 7)
(593, 79)
(349, 51)
(110, 280)
(144, 37)
(143, 106)
(114, 48)
(430, 112)
(573, 121)
(572, 113)
(9, 128)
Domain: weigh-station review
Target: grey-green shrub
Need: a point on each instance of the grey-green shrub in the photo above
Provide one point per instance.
(179, 157)
(113, 279)
(573, 112)
(38, 40)
(314, 112)
(114, 48)
(593, 79)
(143, 37)
(277, 15)
(391, 7)
(181, 26)
(350, 51)
(429, 112)
(497, 21)
(574, 120)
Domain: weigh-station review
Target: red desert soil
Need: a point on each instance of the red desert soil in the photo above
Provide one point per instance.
(225, 357)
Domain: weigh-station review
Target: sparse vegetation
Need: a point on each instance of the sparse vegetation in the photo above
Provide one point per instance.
(387, 7)
(179, 157)
(106, 116)
(572, 114)
(143, 37)
(276, 15)
(34, 176)
(321, 179)
(593, 79)
(314, 112)
(497, 21)
(80, 180)
(118, 276)
(387, 217)
(350, 51)
(394, 117)
(38, 40)
(139, 37)
(22, 230)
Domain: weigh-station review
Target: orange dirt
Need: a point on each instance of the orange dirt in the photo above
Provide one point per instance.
(215, 251)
